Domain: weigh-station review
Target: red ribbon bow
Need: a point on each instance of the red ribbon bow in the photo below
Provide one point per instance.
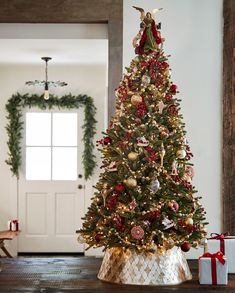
(219, 236)
(218, 255)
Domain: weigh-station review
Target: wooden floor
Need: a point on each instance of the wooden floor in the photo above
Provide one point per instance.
(78, 274)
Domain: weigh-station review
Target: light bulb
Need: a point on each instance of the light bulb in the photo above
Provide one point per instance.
(46, 90)
(46, 95)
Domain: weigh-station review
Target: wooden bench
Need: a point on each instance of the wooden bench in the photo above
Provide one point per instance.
(7, 235)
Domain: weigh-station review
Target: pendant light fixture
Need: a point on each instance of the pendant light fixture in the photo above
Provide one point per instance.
(47, 84)
(46, 88)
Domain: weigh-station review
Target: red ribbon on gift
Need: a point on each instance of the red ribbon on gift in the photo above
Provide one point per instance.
(221, 237)
(218, 255)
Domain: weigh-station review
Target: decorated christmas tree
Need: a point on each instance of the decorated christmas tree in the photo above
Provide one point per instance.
(145, 200)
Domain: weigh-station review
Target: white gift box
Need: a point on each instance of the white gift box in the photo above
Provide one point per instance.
(205, 271)
(229, 250)
(13, 225)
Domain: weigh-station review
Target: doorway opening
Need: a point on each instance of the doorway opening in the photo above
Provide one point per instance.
(50, 209)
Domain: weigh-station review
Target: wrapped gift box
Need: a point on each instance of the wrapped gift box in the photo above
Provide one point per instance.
(13, 225)
(225, 244)
(213, 269)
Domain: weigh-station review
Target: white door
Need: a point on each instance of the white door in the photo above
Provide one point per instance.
(51, 184)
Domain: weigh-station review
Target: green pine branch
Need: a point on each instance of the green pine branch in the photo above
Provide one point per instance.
(15, 125)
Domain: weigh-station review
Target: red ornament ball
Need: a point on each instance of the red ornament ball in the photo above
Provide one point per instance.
(107, 140)
(173, 88)
(186, 246)
(98, 237)
(174, 206)
(119, 188)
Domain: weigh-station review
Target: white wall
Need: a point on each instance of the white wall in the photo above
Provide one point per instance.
(82, 79)
(53, 31)
(193, 33)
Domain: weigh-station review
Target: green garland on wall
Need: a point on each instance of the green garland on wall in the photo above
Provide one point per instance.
(14, 128)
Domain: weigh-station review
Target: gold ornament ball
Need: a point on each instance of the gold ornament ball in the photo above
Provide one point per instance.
(186, 178)
(136, 100)
(181, 154)
(132, 156)
(130, 182)
(189, 221)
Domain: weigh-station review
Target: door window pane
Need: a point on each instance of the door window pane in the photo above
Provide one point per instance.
(38, 163)
(38, 129)
(64, 129)
(51, 146)
(64, 163)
